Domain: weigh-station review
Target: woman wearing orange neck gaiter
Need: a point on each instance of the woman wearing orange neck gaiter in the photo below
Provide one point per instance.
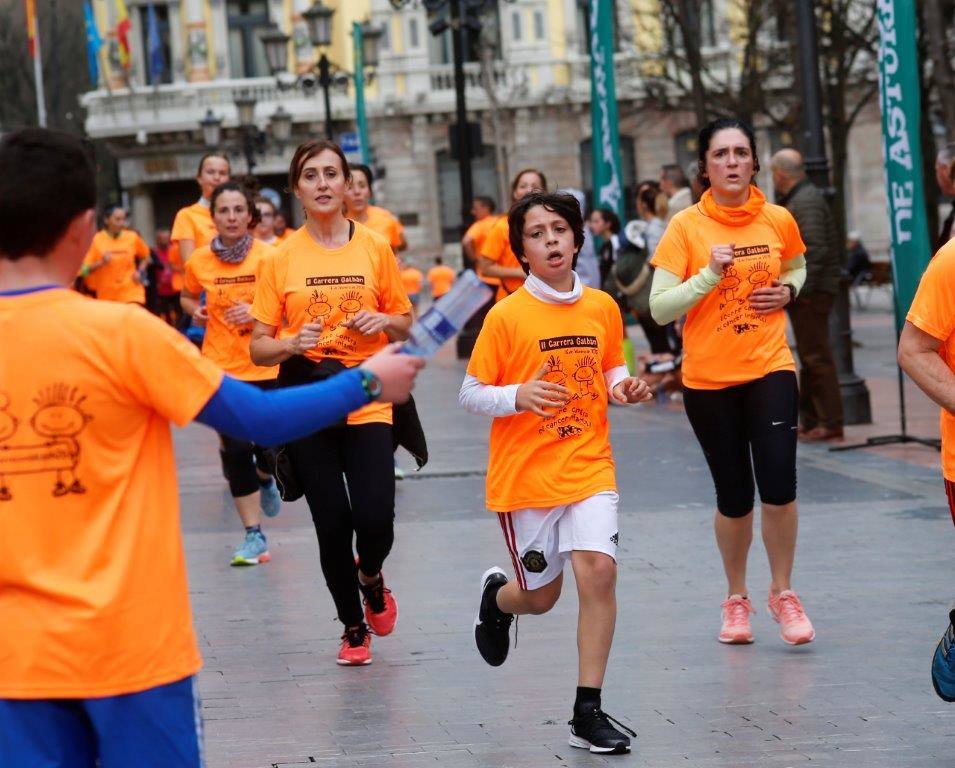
(731, 263)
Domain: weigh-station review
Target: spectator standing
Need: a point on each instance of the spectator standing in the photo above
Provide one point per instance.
(944, 173)
(820, 402)
(675, 186)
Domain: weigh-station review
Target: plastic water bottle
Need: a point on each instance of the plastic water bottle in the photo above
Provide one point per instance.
(447, 315)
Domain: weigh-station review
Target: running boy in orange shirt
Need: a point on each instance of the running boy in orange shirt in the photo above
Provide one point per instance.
(98, 658)
(546, 363)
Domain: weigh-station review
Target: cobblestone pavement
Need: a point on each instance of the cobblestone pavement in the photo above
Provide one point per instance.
(873, 568)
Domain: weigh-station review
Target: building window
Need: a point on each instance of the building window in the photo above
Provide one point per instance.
(484, 175)
(583, 24)
(685, 147)
(516, 25)
(539, 30)
(414, 40)
(439, 46)
(247, 20)
(157, 71)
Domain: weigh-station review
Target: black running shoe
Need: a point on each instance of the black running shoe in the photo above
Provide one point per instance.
(492, 627)
(594, 731)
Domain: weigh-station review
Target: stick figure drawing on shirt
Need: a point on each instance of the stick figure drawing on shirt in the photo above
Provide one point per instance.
(8, 427)
(59, 417)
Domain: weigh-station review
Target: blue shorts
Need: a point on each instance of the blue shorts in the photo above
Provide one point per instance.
(157, 728)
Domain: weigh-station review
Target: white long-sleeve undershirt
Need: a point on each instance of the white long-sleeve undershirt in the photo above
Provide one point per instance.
(494, 401)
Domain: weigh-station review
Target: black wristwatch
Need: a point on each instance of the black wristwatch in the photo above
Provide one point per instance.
(370, 383)
(792, 293)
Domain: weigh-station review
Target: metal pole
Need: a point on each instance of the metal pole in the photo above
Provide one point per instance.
(325, 80)
(464, 142)
(855, 394)
(38, 75)
(360, 117)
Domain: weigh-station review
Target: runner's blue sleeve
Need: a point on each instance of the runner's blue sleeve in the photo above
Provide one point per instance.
(272, 417)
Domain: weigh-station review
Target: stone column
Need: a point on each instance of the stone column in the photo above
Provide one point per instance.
(197, 41)
(142, 212)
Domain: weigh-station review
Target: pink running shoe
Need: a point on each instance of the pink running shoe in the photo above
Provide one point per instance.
(736, 629)
(794, 626)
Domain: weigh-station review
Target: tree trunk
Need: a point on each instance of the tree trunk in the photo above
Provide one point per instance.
(941, 63)
(689, 22)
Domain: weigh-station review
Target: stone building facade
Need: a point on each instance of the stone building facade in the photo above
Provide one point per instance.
(541, 90)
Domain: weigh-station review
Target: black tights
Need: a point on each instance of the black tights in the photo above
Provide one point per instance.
(363, 511)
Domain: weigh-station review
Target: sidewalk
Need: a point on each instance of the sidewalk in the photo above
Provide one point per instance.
(873, 568)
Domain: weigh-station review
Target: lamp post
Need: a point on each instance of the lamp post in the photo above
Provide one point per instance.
(319, 20)
(855, 394)
(253, 140)
(463, 17)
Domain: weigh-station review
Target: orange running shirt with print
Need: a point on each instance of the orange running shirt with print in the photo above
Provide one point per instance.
(933, 312)
(441, 278)
(726, 343)
(497, 248)
(194, 223)
(225, 285)
(535, 462)
(385, 223)
(114, 281)
(305, 282)
(93, 590)
(412, 279)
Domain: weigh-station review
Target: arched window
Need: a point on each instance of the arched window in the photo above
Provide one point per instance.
(484, 177)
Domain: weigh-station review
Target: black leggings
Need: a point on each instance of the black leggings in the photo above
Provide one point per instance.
(363, 510)
(744, 428)
(239, 461)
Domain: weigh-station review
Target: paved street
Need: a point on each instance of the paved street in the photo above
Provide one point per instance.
(873, 567)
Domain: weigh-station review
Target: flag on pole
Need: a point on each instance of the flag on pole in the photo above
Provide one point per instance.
(157, 65)
(93, 42)
(899, 100)
(31, 26)
(360, 116)
(605, 144)
(123, 25)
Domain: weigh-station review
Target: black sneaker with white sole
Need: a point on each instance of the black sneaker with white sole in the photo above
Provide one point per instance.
(492, 627)
(594, 731)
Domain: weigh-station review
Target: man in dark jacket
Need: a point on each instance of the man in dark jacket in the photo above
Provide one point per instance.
(820, 401)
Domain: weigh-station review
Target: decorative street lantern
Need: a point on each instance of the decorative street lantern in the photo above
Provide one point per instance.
(319, 20)
(211, 129)
(281, 122)
(276, 50)
(245, 107)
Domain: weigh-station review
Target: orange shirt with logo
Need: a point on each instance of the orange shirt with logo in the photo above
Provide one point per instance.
(225, 285)
(441, 277)
(114, 281)
(412, 279)
(305, 282)
(933, 312)
(726, 343)
(535, 462)
(194, 223)
(93, 589)
(478, 232)
(497, 248)
(385, 223)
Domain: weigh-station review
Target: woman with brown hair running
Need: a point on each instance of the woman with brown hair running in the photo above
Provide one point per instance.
(731, 263)
(329, 299)
(193, 226)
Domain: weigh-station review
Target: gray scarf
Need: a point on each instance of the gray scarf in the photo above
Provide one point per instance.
(231, 255)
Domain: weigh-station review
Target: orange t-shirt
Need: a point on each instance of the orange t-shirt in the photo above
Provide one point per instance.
(478, 232)
(194, 223)
(497, 248)
(226, 284)
(114, 280)
(385, 223)
(441, 277)
(305, 282)
(93, 589)
(412, 279)
(726, 343)
(933, 312)
(535, 462)
(175, 261)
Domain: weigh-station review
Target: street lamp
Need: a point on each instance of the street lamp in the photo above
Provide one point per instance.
(211, 129)
(855, 393)
(319, 20)
(281, 122)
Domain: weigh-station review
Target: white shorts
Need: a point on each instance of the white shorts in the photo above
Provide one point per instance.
(540, 539)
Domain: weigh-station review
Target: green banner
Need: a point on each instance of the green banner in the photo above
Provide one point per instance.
(605, 143)
(360, 118)
(899, 99)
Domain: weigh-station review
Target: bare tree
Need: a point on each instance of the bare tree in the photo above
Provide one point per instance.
(940, 54)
